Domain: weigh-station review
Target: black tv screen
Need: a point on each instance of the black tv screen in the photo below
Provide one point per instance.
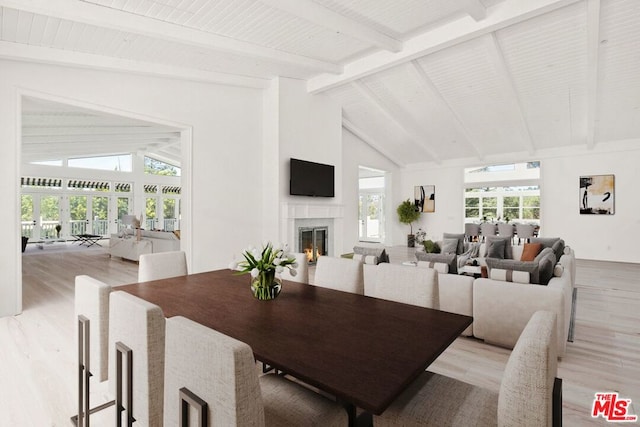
(311, 179)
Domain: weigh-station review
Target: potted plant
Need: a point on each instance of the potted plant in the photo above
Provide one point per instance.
(58, 229)
(407, 214)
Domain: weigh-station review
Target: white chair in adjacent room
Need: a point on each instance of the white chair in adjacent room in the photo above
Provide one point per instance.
(399, 283)
(137, 333)
(217, 374)
(91, 305)
(524, 232)
(162, 265)
(530, 394)
(487, 229)
(342, 274)
(302, 271)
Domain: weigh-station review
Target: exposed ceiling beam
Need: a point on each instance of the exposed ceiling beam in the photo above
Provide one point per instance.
(105, 139)
(53, 131)
(593, 50)
(45, 55)
(379, 147)
(398, 119)
(106, 17)
(432, 91)
(504, 76)
(475, 9)
(500, 16)
(320, 15)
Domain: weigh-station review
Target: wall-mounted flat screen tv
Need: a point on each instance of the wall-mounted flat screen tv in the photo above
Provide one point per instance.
(311, 179)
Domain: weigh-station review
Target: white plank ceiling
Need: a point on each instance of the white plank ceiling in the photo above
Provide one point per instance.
(419, 80)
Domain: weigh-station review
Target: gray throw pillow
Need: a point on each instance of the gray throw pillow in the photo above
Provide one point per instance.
(449, 246)
(496, 250)
(508, 250)
(459, 237)
(545, 266)
(555, 243)
(445, 258)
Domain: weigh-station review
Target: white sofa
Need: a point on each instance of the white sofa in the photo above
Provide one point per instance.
(127, 246)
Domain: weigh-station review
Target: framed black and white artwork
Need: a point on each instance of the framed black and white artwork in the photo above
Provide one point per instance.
(425, 198)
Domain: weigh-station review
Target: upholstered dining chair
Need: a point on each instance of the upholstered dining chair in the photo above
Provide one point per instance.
(302, 272)
(505, 230)
(91, 305)
(162, 265)
(218, 372)
(342, 274)
(487, 229)
(137, 333)
(524, 232)
(471, 230)
(529, 395)
(400, 283)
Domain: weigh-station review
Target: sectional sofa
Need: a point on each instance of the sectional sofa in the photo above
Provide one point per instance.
(502, 303)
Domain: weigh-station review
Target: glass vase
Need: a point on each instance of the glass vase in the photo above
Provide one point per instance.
(266, 286)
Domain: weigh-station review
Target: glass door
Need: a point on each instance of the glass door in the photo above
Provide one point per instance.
(78, 219)
(371, 215)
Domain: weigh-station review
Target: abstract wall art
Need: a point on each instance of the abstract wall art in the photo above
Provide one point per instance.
(425, 198)
(597, 195)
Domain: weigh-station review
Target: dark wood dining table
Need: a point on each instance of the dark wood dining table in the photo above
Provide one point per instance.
(362, 350)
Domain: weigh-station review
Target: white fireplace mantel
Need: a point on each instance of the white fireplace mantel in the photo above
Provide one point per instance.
(308, 210)
(292, 212)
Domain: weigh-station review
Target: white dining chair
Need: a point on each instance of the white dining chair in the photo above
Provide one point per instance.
(162, 265)
(529, 396)
(302, 272)
(399, 283)
(342, 274)
(91, 307)
(137, 331)
(218, 373)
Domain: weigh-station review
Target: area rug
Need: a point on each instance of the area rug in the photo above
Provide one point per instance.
(572, 321)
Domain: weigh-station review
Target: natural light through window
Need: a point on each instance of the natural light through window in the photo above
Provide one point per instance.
(121, 163)
(508, 193)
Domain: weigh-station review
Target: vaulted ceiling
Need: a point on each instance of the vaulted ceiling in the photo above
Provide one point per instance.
(419, 80)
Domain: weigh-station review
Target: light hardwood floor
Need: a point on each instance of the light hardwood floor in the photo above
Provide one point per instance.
(37, 357)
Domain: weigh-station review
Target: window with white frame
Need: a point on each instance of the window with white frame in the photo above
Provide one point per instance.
(503, 193)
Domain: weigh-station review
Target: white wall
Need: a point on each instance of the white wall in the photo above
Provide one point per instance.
(356, 153)
(308, 128)
(597, 237)
(223, 180)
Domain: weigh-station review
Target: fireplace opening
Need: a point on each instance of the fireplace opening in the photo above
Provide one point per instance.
(313, 242)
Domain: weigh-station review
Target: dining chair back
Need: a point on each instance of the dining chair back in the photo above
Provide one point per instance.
(162, 265)
(524, 232)
(92, 302)
(471, 231)
(530, 394)
(302, 271)
(91, 306)
(342, 274)
(140, 326)
(400, 283)
(487, 229)
(220, 372)
(505, 230)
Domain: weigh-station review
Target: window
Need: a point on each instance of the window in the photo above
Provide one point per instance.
(120, 163)
(156, 167)
(503, 192)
